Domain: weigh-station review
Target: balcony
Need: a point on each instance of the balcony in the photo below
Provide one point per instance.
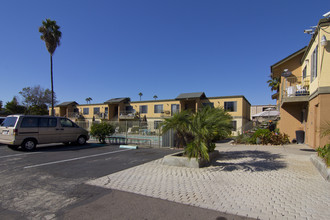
(127, 115)
(295, 89)
(165, 114)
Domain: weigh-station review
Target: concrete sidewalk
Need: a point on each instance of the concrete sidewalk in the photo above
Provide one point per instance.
(265, 182)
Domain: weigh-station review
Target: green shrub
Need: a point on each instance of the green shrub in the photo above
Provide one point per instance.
(324, 153)
(102, 130)
(261, 136)
(244, 138)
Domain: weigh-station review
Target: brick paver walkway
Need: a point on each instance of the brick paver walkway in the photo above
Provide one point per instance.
(265, 182)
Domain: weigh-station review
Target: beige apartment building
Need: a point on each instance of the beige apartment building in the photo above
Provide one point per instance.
(304, 95)
(155, 111)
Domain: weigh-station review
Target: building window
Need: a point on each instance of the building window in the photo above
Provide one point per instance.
(96, 110)
(86, 111)
(211, 104)
(143, 109)
(129, 109)
(304, 73)
(175, 108)
(231, 106)
(314, 64)
(158, 109)
(157, 124)
(234, 125)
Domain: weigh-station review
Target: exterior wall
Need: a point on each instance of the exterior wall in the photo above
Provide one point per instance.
(291, 119)
(323, 67)
(324, 59)
(311, 114)
(91, 109)
(241, 115)
(318, 115)
(151, 106)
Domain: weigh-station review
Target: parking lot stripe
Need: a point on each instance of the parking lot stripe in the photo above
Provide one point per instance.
(16, 155)
(77, 158)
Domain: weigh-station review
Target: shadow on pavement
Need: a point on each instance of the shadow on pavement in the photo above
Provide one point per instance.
(253, 161)
(308, 150)
(70, 147)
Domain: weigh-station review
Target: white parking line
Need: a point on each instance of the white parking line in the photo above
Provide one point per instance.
(16, 155)
(77, 158)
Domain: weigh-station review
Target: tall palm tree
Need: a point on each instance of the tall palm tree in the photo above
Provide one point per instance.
(51, 34)
(155, 97)
(140, 94)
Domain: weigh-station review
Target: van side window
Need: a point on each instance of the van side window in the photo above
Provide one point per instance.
(47, 122)
(66, 123)
(29, 122)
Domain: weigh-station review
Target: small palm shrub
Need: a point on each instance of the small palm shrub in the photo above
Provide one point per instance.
(102, 130)
(198, 131)
(324, 153)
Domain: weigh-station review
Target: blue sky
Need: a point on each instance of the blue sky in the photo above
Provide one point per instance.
(119, 48)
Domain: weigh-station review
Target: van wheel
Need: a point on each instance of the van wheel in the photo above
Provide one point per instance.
(29, 145)
(81, 140)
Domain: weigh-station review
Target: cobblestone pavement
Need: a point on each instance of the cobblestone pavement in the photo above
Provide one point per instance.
(264, 182)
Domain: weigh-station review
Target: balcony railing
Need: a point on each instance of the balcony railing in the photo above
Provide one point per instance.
(295, 89)
(127, 115)
(165, 114)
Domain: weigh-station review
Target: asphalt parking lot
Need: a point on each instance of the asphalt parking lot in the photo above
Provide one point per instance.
(39, 184)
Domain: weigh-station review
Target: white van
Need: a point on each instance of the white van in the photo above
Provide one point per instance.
(29, 130)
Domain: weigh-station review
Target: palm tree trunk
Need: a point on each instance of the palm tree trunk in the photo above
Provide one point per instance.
(51, 80)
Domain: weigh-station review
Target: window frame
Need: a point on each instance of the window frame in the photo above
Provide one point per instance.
(234, 107)
(95, 112)
(314, 64)
(156, 107)
(85, 110)
(141, 108)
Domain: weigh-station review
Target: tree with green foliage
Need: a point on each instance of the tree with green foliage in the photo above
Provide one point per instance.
(102, 130)
(13, 107)
(274, 83)
(37, 99)
(88, 100)
(179, 123)
(199, 130)
(140, 94)
(51, 34)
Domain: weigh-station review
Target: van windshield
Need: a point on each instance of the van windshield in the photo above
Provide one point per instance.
(9, 122)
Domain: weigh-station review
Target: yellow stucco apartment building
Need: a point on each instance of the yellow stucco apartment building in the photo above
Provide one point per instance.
(304, 95)
(155, 111)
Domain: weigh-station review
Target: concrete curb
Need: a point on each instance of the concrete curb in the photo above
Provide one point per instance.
(321, 167)
(180, 161)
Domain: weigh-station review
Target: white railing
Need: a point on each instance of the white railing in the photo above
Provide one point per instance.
(295, 86)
